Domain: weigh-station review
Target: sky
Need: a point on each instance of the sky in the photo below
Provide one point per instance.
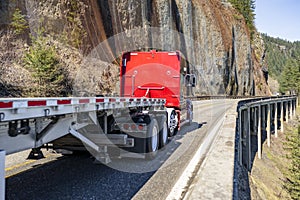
(279, 18)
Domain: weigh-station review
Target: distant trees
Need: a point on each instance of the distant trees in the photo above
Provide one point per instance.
(283, 58)
(247, 9)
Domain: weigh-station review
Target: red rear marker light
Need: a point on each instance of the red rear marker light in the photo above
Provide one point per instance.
(6, 104)
(141, 127)
(64, 102)
(133, 127)
(126, 126)
(99, 100)
(37, 103)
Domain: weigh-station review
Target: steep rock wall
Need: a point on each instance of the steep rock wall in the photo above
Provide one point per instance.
(211, 34)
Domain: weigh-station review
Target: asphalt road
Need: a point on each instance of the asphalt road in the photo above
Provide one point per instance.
(76, 177)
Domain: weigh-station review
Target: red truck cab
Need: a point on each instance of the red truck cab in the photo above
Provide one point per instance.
(151, 74)
(157, 74)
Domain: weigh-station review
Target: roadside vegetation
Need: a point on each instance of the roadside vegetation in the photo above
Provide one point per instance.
(41, 52)
(292, 146)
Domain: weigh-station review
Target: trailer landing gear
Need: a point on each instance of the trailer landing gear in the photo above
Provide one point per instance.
(36, 154)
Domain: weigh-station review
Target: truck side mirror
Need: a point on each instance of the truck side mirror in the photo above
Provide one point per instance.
(193, 83)
(124, 62)
(190, 80)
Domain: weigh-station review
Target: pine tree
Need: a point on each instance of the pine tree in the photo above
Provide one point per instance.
(290, 78)
(247, 9)
(43, 62)
(19, 23)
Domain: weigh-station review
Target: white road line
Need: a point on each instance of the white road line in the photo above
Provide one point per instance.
(181, 184)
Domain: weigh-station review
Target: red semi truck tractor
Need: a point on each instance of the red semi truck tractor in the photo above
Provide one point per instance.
(156, 74)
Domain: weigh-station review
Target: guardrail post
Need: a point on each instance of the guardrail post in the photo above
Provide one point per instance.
(276, 120)
(249, 138)
(259, 152)
(281, 116)
(287, 112)
(295, 107)
(269, 125)
(245, 138)
(255, 119)
(291, 109)
(241, 138)
(2, 175)
(263, 110)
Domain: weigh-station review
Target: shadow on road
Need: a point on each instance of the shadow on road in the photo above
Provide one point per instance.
(76, 177)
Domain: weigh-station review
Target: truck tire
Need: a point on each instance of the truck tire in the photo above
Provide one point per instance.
(163, 133)
(152, 141)
(173, 130)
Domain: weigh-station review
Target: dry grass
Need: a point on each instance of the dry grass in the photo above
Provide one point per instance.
(267, 176)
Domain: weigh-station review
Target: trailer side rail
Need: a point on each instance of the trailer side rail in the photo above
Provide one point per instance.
(29, 108)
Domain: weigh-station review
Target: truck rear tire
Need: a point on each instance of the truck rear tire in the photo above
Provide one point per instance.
(152, 140)
(174, 128)
(163, 133)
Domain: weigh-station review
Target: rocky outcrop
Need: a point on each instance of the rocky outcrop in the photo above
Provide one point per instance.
(211, 34)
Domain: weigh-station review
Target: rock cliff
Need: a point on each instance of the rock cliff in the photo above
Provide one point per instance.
(211, 35)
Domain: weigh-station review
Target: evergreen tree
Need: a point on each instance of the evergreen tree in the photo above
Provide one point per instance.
(247, 9)
(44, 63)
(290, 78)
(19, 23)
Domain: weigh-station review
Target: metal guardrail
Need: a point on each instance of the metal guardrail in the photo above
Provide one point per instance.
(261, 116)
(247, 98)
(207, 97)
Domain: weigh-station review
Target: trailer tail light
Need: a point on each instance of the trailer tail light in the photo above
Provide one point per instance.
(140, 127)
(126, 126)
(133, 127)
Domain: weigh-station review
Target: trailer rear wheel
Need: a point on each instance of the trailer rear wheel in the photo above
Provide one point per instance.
(152, 141)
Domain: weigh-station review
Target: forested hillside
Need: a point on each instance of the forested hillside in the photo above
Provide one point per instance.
(283, 61)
